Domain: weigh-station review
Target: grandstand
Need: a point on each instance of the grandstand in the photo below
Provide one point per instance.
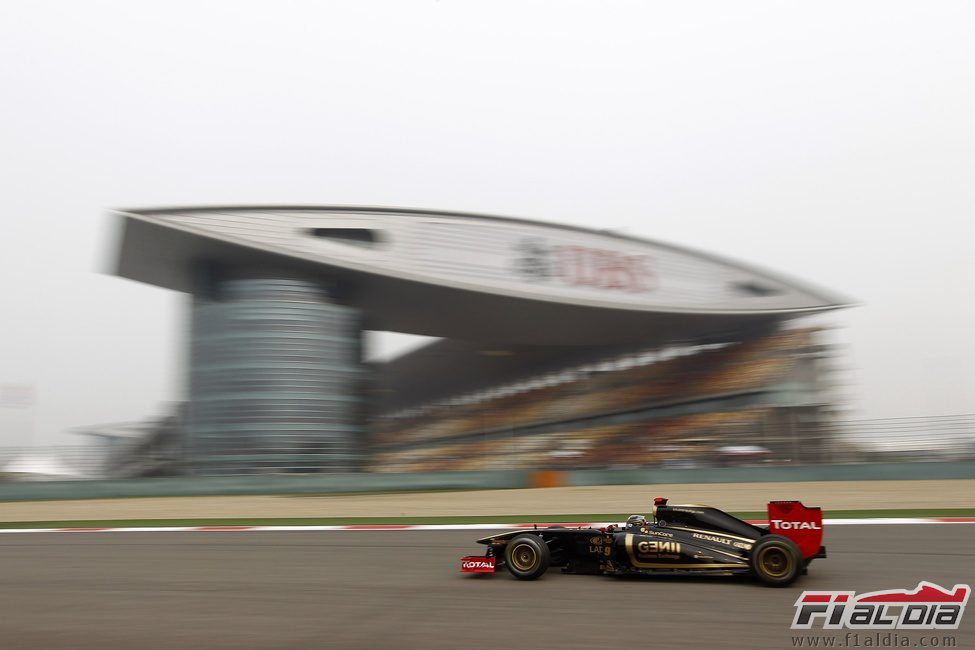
(704, 405)
(557, 346)
(153, 447)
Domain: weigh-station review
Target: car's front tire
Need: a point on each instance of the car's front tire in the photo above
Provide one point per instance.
(776, 560)
(527, 556)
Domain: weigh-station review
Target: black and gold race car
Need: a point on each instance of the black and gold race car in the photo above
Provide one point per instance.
(678, 539)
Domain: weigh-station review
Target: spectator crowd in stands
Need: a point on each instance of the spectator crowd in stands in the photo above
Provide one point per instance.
(620, 417)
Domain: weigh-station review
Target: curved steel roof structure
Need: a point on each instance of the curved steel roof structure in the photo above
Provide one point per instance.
(475, 277)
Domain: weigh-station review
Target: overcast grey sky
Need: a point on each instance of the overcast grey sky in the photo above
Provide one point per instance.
(833, 141)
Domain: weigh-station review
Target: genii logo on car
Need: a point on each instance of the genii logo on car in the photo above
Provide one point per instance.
(477, 564)
(928, 607)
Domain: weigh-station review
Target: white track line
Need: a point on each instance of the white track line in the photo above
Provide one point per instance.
(397, 527)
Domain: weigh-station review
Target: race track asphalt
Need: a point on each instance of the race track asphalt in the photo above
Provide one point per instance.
(402, 589)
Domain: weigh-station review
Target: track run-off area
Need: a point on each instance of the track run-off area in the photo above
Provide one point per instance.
(401, 588)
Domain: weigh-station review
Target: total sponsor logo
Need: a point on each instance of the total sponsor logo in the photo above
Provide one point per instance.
(927, 607)
(782, 524)
(477, 564)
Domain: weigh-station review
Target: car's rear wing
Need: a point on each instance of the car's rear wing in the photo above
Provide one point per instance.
(802, 525)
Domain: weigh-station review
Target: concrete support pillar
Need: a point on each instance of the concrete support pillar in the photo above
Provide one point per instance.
(275, 376)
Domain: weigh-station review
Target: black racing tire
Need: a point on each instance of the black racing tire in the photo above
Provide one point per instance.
(776, 560)
(526, 556)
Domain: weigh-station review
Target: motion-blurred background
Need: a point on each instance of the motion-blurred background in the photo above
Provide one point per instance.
(329, 265)
(826, 143)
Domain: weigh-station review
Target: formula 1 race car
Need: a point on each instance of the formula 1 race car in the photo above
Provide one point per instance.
(679, 539)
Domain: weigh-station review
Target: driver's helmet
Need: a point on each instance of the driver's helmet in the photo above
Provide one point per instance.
(635, 521)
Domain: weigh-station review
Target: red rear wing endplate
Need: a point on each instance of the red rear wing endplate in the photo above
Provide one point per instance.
(802, 525)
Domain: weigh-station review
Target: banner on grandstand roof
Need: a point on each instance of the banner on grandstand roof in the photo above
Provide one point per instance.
(573, 265)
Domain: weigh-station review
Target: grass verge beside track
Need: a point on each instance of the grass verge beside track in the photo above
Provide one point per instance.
(507, 519)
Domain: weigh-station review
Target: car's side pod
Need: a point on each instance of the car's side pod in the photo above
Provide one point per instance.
(802, 525)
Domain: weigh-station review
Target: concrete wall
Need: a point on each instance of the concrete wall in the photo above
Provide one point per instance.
(353, 483)
(229, 485)
(800, 473)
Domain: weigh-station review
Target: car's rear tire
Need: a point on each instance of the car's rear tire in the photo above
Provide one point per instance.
(776, 560)
(527, 556)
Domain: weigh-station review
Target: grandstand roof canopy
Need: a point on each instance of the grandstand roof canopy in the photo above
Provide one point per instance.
(474, 277)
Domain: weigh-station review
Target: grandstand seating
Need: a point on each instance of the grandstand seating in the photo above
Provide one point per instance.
(492, 433)
(658, 443)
